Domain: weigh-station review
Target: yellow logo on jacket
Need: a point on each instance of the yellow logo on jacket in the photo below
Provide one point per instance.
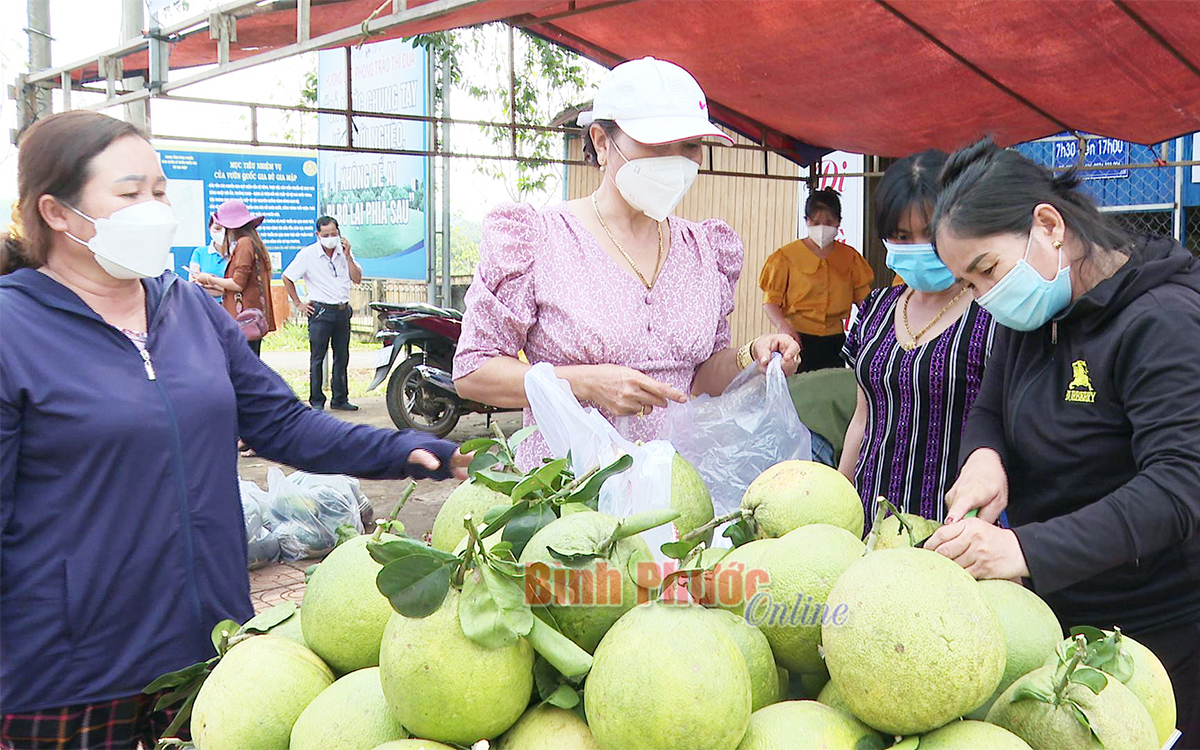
(1080, 390)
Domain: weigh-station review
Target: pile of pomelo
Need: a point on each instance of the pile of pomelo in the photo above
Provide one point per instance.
(806, 636)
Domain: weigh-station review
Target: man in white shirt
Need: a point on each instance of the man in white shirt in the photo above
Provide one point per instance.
(328, 269)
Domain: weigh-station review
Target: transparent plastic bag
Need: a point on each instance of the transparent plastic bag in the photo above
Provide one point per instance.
(591, 441)
(305, 518)
(262, 548)
(347, 485)
(734, 437)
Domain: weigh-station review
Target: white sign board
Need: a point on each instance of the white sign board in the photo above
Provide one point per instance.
(834, 168)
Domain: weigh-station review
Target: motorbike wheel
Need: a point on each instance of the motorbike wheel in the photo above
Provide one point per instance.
(412, 406)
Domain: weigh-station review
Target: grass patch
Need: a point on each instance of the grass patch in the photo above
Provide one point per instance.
(358, 379)
(292, 336)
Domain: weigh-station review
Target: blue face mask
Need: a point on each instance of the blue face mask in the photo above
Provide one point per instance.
(919, 266)
(1023, 300)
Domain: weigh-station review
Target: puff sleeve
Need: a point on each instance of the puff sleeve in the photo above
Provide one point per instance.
(501, 304)
(773, 280)
(729, 253)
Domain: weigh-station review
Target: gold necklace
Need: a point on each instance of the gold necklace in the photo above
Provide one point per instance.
(657, 263)
(909, 346)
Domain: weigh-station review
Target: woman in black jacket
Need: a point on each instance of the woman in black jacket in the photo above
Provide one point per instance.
(1087, 425)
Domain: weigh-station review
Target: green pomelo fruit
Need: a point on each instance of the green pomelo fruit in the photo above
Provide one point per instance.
(664, 678)
(444, 686)
(545, 727)
(1031, 633)
(918, 645)
(1150, 683)
(739, 575)
(792, 494)
(893, 535)
(831, 697)
(689, 496)
(792, 725)
(470, 499)
(1116, 716)
(802, 566)
(972, 735)
(350, 714)
(764, 675)
(585, 599)
(255, 694)
(344, 612)
(412, 745)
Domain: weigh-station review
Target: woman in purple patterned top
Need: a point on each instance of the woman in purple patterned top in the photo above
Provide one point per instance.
(918, 351)
(629, 305)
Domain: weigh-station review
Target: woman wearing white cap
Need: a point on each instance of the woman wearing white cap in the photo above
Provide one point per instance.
(629, 305)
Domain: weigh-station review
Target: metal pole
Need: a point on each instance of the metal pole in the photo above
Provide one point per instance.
(447, 296)
(431, 290)
(136, 112)
(1177, 229)
(512, 87)
(39, 52)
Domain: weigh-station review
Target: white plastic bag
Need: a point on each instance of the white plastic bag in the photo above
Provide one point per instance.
(305, 519)
(593, 442)
(736, 436)
(261, 546)
(347, 485)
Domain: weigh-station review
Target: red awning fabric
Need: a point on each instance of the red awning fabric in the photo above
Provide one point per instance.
(885, 77)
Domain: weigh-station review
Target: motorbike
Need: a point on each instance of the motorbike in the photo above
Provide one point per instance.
(420, 391)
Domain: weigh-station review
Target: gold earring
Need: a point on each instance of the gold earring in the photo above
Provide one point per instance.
(1058, 244)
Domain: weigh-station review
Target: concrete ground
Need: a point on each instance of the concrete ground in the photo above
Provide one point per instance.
(285, 582)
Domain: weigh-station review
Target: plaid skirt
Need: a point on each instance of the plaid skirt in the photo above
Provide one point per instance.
(122, 724)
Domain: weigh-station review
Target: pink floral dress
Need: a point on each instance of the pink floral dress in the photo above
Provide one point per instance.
(545, 285)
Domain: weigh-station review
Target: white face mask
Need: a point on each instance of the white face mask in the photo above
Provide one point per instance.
(822, 234)
(134, 242)
(330, 243)
(654, 185)
(218, 237)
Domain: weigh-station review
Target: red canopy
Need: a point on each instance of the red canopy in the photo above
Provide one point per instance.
(884, 77)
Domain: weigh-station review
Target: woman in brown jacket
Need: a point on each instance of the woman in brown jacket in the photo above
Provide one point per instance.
(247, 281)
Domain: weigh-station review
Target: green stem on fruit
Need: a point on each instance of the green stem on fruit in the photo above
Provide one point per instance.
(701, 531)
(881, 507)
(469, 555)
(570, 487)
(379, 527)
(1080, 652)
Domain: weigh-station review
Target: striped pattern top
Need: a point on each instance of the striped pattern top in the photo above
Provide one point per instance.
(917, 403)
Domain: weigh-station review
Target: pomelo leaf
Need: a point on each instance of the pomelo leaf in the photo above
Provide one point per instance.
(520, 436)
(1089, 633)
(562, 653)
(478, 444)
(739, 533)
(1090, 678)
(345, 533)
(486, 613)
(177, 678)
(573, 557)
(644, 521)
(678, 550)
(502, 550)
(521, 527)
(417, 584)
(541, 479)
(1032, 692)
(495, 512)
(590, 491)
(396, 549)
(221, 633)
(567, 509)
(500, 481)
(482, 461)
(264, 621)
(564, 697)
(1121, 667)
(494, 525)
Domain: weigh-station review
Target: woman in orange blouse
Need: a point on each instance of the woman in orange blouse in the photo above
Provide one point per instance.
(810, 285)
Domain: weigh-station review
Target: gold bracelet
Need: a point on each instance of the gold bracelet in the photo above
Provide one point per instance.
(745, 355)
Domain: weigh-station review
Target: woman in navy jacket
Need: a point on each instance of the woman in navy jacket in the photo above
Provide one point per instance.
(123, 391)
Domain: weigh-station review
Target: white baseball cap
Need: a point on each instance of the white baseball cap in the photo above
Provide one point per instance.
(653, 101)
